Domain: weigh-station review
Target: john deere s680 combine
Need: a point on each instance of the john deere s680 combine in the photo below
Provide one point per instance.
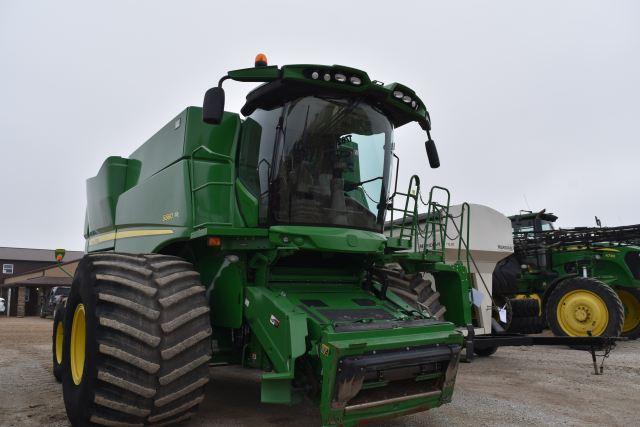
(254, 242)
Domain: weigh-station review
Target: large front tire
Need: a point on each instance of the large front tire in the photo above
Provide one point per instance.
(136, 341)
(581, 306)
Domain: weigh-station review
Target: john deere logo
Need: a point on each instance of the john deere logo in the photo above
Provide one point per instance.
(352, 240)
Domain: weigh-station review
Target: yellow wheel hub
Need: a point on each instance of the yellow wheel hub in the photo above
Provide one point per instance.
(581, 311)
(631, 310)
(78, 341)
(59, 339)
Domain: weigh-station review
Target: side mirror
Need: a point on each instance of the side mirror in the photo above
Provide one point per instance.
(432, 154)
(213, 106)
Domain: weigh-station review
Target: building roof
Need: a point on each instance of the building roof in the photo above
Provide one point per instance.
(41, 281)
(47, 276)
(29, 254)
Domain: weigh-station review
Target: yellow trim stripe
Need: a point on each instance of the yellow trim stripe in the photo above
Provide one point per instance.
(115, 235)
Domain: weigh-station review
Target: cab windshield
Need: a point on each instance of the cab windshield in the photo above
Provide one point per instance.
(323, 161)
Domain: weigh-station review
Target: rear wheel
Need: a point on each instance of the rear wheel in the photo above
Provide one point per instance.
(581, 306)
(57, 341)
(136, 342)
(630, 298)
(415, 290)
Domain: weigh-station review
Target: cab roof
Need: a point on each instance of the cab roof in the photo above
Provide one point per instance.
(523, 215)
(398, 102)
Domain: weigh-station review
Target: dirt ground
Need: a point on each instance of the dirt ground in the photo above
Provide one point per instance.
(516, 386)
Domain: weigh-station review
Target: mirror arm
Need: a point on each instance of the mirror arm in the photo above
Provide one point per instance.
(222, 80)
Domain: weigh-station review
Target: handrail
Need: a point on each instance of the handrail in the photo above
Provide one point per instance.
(437, 220)
(406, 230)
(465, 208)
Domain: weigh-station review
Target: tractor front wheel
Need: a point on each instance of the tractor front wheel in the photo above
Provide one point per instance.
(630, 298)
(136, 341)
(57, 341)
(581, 306)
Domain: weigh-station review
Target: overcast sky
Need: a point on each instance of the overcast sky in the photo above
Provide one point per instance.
(533, 106)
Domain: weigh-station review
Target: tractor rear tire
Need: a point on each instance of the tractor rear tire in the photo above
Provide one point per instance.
(581, 305)
(630, 298)
(57, 341)
(136, 341)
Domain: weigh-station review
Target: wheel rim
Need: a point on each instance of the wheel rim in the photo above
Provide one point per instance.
(631, 310)
(59, 335)
(581, 311)
(78, 340)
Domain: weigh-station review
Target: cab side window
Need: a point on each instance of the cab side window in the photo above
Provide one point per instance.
(248, 155)
(256, 144)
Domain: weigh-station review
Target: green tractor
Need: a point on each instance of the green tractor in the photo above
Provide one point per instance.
(581, 281)
(259, 242)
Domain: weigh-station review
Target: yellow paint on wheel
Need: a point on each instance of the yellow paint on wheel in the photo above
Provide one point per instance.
(631, 310)
(59, 339)
(78, 343)
(581, 311)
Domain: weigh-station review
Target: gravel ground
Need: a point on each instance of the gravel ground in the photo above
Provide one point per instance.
(516, 386)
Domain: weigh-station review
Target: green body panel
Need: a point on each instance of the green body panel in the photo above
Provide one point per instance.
(179, 194)
(605, 263)
(326, 239)
(103, 192)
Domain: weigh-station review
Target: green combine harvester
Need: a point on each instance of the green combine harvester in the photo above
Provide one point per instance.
(259, 242)
(580, 281)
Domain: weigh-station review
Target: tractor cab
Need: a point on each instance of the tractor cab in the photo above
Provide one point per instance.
(533, 222)
(527, 227)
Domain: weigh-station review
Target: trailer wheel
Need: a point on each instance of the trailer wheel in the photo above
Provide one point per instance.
(136, 341)
(485, 352)
(582, 305)
(57, 340)
(630, 298)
